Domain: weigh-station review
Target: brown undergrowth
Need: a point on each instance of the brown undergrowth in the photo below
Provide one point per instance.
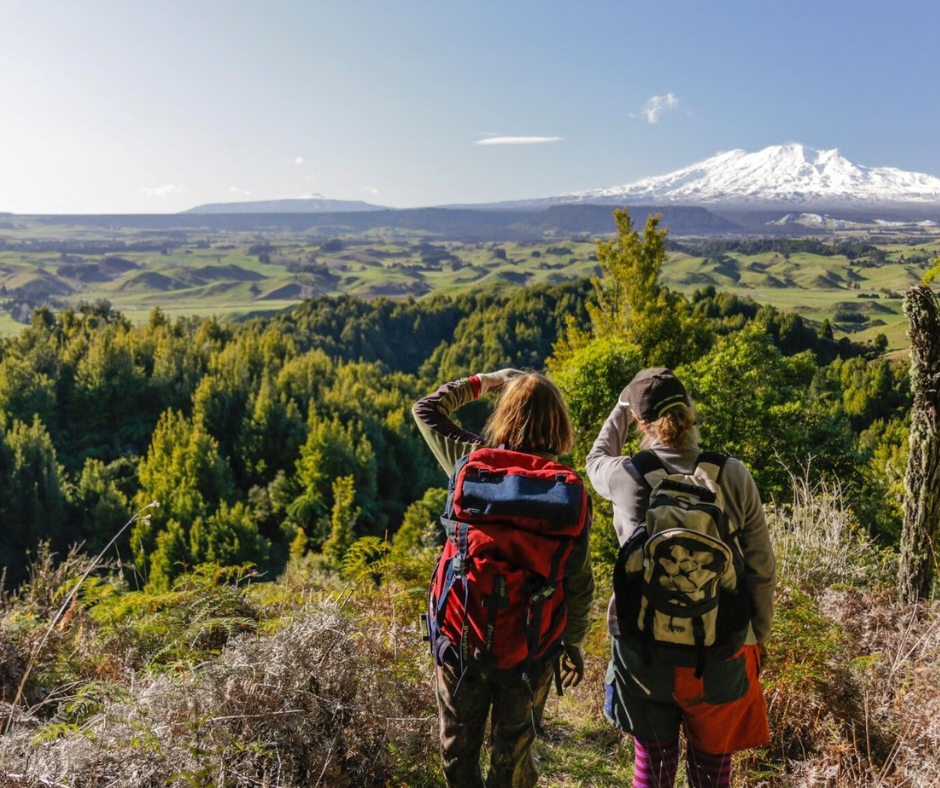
(321, 678)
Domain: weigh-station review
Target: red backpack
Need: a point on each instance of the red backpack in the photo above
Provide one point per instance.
(497, 596)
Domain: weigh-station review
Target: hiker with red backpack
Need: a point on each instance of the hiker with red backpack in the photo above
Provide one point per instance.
(509, 600)
(693, 589)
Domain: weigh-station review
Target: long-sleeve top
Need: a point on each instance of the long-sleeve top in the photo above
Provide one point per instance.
(449, 442)
(615, 478)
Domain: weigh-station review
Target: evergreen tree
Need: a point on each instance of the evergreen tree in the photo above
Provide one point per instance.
(342, 519)
(185, 472)
(630, 301)
(32, 495)
(330, 452)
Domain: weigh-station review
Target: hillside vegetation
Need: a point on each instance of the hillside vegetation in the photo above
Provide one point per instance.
(854, 280)
(255, 521)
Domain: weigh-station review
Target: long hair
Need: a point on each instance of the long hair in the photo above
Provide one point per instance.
(530, 416)
(671, 429)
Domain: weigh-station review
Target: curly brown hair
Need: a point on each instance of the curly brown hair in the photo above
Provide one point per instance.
(672, 428)
(530, 416)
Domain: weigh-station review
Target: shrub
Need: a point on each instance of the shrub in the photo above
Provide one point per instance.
(310, 704)
(818, 541)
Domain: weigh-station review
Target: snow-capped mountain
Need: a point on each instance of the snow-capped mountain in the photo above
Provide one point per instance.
(781, 174)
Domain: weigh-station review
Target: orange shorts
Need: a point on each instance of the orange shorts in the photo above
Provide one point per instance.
(722, 711)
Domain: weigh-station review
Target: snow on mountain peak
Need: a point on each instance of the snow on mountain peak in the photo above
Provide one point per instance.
(791, 173)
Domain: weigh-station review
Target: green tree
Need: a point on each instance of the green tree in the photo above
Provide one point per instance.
(32, 495)
(331, 451)
(630, 301)
(108, 391)
(25, 392)
(99, 507)
(227, 537)
(421, 526)
(185, 472)
(864, 390)
(591, 374)
(885, 445)
(174, 356)
(270, 435)
(343, 519)
(515, 330)
(169, 558)
(753, 404)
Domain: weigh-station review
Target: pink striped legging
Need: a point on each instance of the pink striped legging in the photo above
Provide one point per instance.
(656, 763)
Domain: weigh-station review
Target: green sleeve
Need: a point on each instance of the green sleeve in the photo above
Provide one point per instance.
(447, 440)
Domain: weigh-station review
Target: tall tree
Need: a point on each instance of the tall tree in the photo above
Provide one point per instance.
(922, 482)
(32, 496)
(632, 303)
(343, 518)
(186, 473)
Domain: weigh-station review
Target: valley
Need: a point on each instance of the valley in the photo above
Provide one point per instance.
(856, 279)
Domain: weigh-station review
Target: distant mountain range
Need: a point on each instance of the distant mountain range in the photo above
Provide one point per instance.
(300, 205)
(778, 177)
(560, 221)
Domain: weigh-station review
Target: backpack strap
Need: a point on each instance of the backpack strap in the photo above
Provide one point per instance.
(713, 463)
(456, 569)
(650, 466)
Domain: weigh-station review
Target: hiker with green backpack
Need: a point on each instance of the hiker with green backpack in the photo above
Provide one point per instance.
(509, 600)
(693, 589)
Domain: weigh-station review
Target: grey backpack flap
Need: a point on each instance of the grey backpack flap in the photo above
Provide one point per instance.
(686, 576)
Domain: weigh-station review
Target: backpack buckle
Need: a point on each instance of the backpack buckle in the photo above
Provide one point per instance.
(544, 592)
(425, 628)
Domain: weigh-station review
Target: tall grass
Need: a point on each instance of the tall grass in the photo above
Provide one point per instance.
(818, 541)
(853, 679)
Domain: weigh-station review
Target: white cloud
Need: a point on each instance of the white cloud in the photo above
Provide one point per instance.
(166, 190)
(370, 189)
(299, 161)
(311, 196)
(656, 107)
(236, 190)
(517, 140)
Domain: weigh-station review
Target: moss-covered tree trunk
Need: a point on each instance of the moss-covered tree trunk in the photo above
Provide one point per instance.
(922, 482)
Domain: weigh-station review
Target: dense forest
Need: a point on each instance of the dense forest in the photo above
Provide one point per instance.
(253, 435)
(273, 517)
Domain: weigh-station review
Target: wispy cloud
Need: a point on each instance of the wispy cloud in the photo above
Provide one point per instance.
(656, 107)
(370, 189)
(236, 190)
(517, 140)
(166, 190)
(299, 161)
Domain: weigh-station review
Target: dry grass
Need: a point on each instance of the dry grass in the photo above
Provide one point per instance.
(818, 542)
(853, 682)
(311, 704)
(332, 688)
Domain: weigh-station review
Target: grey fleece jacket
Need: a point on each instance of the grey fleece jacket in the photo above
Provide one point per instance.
(449, 443)
(615, 478)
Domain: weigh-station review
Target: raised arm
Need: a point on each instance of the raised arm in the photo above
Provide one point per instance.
(448, 441)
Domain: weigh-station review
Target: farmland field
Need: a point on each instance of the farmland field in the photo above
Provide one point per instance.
(233, 274)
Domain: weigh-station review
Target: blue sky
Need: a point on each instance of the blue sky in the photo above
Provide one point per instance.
(158, 106)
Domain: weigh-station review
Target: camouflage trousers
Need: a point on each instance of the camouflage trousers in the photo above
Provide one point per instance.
(464, 706)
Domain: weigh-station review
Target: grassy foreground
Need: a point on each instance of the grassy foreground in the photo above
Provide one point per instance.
(320, 677)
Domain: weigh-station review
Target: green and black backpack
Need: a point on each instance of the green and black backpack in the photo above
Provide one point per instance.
(679, 584)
